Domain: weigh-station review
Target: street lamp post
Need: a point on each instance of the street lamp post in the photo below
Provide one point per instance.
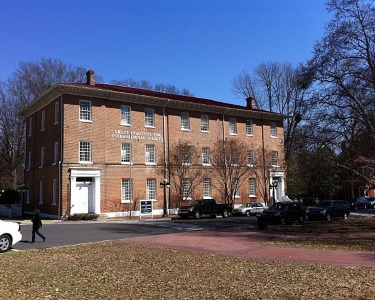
(165, 184)
(273, 186)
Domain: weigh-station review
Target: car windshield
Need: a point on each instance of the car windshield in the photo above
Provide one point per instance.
(245, 205)
(279, 206)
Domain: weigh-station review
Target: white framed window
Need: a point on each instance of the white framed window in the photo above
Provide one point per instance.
(205, 123)
(85, 152)
(43, 121)
(250, 157)
(125, 153)
(85, 110)
(41, 186)
(236, 188)
(232, 126)
(186, 158)
(207, 188)
(206, 156)
(275, 158)
(125, 115)
(29, 161)
(185, 121)
(273, 130)
(150, 155)
(149, 117)
(42, 152)
(150, 189)
(186, 188)
(57, 112)
(252, 187)
(30, 126)
(54, 191)
(126, 187)
(234, 157)
(56, 153)
(249, 127)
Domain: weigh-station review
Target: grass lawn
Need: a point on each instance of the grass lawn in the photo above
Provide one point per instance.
(115, 270)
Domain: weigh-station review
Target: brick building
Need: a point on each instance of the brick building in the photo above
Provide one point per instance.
(100, 148)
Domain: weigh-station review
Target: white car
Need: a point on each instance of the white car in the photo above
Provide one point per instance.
(10, 234)
(249, 209)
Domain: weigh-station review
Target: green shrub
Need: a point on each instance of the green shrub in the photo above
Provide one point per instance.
(82, 217)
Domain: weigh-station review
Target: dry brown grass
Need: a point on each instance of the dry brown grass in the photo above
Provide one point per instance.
(115, 270)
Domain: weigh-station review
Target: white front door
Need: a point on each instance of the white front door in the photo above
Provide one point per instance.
(80, 200)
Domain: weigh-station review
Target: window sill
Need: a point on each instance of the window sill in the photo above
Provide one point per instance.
(184, 129)
(86, 162)
(85, 121)
(150, 164)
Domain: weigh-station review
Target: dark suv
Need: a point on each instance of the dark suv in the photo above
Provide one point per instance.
(329, 209)
(282, 213)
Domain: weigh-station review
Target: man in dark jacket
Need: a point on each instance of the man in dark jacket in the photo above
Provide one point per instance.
(37, 224)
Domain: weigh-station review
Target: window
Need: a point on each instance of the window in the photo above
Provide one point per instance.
(236, 188)
(186, 188)
(29, 161)
(150, 154)
(43, 121)
(125, 115)
(205, 125)
(125, 191)
(151, 189)
(232, 126)
(234, 158)
(85, 110)
(252, 187)
(28, 194)
(41, 157)
(273, 130)
(57, 110)
(249, 127)
(54, 192)
(125, 153)
(186, 159)
(207, 188)
(250, 157)
(40, 192)
(185, 121)
(275, 158)
(56, 153)
(206, 159)
(149, 117)
(30, 126)
(84, 152)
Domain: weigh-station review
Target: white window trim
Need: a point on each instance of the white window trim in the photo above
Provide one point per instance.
(273, 132)
(185, 119)
(42, 157)
(231, 120)
(30, 127)
(209, 157)
(252, 128)
(55, 153)
(153, 118)
(130, 154)
(147, 190)
(79, 153)
(130, 191)
(123, 120)
(277, 153)
(85, 120)
(208, 123)
(255, 187)
(209, 186)
(153, 163)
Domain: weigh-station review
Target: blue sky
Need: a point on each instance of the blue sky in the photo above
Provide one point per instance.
(197, 44)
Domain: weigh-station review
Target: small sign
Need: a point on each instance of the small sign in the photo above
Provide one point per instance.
(146, 207)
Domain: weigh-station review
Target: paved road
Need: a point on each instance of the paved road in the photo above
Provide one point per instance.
(72, 233)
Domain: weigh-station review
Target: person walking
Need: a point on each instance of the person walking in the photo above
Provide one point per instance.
(37, 224)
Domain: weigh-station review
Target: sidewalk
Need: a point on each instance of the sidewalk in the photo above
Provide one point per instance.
(248, 244)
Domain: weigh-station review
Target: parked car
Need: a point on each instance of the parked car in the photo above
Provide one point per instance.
(362, 203)
(205, 207)
(328, 209)
(371, 202)
(10, 234)
(352, 203)
(282, 213)
(248, 209)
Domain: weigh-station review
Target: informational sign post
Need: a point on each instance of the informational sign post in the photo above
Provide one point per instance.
(146, 208)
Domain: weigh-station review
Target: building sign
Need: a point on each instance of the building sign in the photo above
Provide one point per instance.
(146, 207)
(137, 135)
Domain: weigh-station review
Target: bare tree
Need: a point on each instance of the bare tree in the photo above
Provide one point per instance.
(183, 171)
(230, 166)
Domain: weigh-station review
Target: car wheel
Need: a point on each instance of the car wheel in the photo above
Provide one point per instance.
(5, 243)
(248, 214)
(345, 216)
(282, 221)
(197, 214)
(225, 213)
(328, 217)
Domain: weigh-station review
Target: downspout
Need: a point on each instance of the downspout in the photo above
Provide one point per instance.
(264, 165)
(61, 156)
(165, 149)
(225, 159)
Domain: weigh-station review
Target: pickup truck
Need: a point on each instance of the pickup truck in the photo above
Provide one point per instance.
(205, 207)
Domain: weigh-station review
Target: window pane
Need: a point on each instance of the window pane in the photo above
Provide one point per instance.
(85, 151)
(150, 154)
(125, 153)
(236, 188)
(206, 160)
(204, 123)
(151, 189)
(125, 190)
(186, 188)
(275, 158)
(249, 127)
(207, 187)
(149, 117)
(250, 157)
(252, 187)
(273, 130)
(185, 122)
(85, 110)
(232, 126)
(125, 115)
(56, 153)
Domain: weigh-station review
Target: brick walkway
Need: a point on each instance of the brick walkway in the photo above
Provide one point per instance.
(247, 244)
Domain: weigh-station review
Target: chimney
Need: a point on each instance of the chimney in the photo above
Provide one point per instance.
(250, 103)
(90, 77)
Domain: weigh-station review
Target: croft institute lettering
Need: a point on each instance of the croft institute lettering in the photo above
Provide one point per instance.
(137, 135)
